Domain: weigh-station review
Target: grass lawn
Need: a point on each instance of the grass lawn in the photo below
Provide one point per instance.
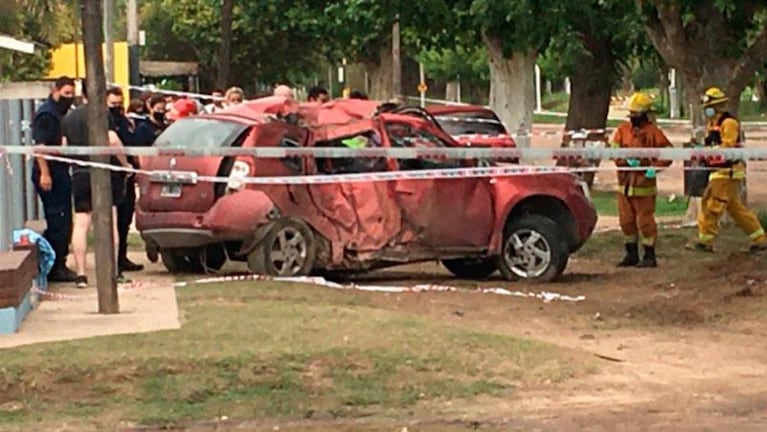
(607, 205)
(268, 350)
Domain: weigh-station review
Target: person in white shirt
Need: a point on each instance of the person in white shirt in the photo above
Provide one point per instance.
(218, 102)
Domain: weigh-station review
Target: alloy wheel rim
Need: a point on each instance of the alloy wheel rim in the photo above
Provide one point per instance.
(527, 253)
(289, 252)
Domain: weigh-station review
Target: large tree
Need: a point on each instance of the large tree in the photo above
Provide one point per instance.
(594, 47)
(710, 42)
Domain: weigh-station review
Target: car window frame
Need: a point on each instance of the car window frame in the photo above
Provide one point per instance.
(423, 163)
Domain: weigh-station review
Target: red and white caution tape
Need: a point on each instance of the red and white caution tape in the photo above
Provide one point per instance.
(494, 172)
(545, 296)
(459, 153)
(121, 288)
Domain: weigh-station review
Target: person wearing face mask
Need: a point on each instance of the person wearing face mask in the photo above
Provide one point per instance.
(637, 185)
(148, 131)
(75, 129)
(725, 179)
(52, 180)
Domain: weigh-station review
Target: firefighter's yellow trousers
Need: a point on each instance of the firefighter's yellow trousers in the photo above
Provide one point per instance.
(724, 195)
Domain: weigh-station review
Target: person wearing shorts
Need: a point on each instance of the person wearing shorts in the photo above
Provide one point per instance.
(75, 131)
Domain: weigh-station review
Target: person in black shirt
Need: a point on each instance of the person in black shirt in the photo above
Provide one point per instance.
(147, 132)
(52, 180)
(75, 129)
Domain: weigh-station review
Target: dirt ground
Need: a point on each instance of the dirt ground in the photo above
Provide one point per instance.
(678, 348)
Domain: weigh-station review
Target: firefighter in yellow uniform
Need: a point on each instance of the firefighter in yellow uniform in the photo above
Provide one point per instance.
(726, 178)
(637, 185)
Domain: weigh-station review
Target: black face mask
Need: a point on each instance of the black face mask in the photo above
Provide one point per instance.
(638, 121)
(116, 111)
(64, 103)
(159, 117)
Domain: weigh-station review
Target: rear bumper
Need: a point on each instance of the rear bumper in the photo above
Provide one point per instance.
(232, 217)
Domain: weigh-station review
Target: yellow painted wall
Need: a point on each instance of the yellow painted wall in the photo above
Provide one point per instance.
(69, 60)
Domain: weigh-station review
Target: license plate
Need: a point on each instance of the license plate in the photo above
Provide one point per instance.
(171, 191)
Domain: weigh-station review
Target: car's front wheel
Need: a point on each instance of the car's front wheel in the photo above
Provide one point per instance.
(471, 268)
(534, 249)
(288, 249)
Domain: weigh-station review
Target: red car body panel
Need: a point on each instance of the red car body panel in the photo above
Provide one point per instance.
(393, 221)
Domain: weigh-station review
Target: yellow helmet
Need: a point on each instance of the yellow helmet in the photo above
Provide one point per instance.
(713, 96)
(640, 102)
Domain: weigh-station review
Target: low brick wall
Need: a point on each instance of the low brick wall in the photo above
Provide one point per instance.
(18, 270)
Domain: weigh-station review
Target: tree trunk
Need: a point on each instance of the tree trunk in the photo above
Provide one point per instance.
(592, 84)
(225, 49)
(101, 186)
(451, 91)
(380, 73)
(760, 90)
(512, 86)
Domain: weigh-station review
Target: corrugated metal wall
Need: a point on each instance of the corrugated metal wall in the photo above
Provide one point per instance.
(18, 200)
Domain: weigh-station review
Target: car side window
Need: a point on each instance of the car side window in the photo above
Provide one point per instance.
(405, 135)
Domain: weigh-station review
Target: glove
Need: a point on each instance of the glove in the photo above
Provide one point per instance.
(632, 162)
(650, 173)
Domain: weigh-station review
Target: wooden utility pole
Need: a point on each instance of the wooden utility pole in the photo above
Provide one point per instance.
(133, 50)
(101, 186)
(108, 42)
(396, 63)
(225, 49)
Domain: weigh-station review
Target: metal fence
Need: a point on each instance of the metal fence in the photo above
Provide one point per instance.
(18, 201)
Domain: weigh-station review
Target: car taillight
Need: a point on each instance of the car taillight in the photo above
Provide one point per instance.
(240, 171)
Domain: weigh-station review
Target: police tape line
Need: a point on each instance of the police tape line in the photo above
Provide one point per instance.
(121, 288)
(465, 153)
(545, 296)
(187, 177)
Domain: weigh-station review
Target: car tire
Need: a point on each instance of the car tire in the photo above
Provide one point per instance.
(544, 250)
(471, 268)
(190, 260)
(288, 249)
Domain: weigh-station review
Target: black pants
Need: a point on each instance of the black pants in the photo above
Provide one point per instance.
(57, 206)
(125, 217)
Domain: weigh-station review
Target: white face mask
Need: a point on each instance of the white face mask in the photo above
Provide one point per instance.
(709, 112)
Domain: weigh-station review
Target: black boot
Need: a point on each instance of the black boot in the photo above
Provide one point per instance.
(632, 256)
(649, 260)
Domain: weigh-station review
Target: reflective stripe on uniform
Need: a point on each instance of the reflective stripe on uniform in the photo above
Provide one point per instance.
(648, 241)
(756, 234)
(706, 238)
(637, 190)
(735, 174)
(630, 238)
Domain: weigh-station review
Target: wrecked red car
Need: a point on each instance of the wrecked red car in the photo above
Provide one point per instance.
(525, 226)
(473, 126)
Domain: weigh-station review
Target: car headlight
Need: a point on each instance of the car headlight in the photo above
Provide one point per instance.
(240, 171)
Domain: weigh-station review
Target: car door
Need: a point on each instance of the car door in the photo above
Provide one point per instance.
(454, 212)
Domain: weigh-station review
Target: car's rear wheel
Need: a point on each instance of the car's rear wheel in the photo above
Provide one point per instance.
(533, 249)
(288, 249)
(191, 260)
(471, 268)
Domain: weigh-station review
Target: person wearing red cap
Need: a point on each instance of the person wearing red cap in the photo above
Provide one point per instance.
(182, 108)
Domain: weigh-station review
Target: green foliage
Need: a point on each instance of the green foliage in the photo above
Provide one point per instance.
(269, 41)
(446, 64)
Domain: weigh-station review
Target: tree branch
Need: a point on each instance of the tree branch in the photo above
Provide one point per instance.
(753, 58)
(655, 31)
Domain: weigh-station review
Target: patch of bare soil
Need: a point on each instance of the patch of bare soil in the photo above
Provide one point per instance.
(678, 348)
